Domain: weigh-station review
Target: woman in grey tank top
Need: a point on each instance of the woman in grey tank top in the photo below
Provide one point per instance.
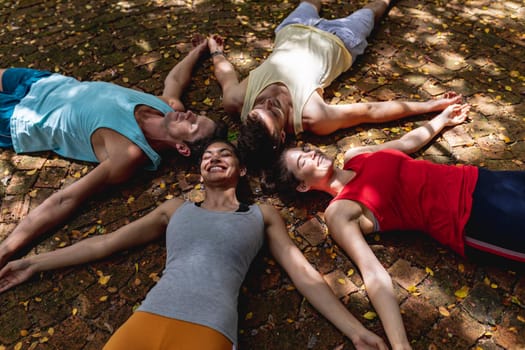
(220, 236)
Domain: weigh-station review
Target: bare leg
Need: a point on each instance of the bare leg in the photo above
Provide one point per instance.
(316, 3)
(378, 7)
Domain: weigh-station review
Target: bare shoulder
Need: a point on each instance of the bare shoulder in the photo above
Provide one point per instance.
(270, 214)
(109, 143)
(121, 156)
(169, 207)
(343, 209)
(233, 97)
(314, 110)
(352, 152)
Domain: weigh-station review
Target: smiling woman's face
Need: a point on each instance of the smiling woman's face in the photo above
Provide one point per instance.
(309, 166)
(219, 162)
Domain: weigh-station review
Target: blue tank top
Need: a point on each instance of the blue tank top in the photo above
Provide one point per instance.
(60, 114)
(208, 254)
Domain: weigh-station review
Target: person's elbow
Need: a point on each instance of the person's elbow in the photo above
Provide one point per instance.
(377, 279)
(305, 278)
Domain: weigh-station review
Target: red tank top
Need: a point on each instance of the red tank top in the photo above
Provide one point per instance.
(409, 194)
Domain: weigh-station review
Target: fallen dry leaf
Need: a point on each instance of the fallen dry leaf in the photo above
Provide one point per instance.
(444, 311)
(370, 315)
(462, 292)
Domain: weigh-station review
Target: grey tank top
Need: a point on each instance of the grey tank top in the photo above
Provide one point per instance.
(208, 254)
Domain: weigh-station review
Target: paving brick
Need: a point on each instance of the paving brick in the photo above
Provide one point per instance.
(14, 208)
(313, 231)
(51, 177)
(418, 316)
(510, 332)
(339, 283)
(406, 275)
(70, 334)
(21, 182)
(27, 162)
(458, 331)
(17, 320)
(484, 304)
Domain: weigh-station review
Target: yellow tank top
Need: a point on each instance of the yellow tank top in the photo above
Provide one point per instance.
(304, 59)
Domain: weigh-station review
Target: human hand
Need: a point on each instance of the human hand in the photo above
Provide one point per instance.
(199, 42)
(215, 43)
(366, 340)
(15, 273)
(454, 114)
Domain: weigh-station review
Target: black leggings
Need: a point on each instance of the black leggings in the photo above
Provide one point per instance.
(497, 221)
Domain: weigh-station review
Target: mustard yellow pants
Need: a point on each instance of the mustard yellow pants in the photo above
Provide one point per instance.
(146, 331)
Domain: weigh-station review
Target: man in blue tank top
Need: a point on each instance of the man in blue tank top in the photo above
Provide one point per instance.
(119, 128)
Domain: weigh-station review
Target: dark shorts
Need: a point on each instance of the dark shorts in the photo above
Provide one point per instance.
(496, 223)
(16, 83)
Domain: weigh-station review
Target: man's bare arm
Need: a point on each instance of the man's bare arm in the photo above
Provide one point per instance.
(179, 77)
(233, 91)
(62, 204)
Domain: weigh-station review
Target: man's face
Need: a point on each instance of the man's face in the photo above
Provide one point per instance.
(271, 113)
(187, 126)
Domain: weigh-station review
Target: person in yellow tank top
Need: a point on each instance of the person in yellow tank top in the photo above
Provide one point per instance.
(284, 95)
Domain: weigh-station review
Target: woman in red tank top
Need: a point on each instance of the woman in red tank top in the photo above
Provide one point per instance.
(380, 188)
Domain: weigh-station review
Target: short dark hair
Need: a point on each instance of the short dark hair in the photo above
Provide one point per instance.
(198, 146)
(257, 145)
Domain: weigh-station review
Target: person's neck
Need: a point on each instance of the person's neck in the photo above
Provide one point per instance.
(338, 181)
(150, 122)
(288, 121)
(220, 199)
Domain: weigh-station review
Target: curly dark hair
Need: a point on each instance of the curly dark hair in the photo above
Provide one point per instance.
(257, 145)
(198, 146)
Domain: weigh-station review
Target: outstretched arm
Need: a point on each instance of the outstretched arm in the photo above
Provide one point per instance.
(322, 118)
(414, 140)
(141, 231)
(343, 218)
(310, 283)
(179, 77)
(233, 91)
(63, 203)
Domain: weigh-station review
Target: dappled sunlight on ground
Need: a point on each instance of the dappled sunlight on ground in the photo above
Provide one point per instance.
(423, 49)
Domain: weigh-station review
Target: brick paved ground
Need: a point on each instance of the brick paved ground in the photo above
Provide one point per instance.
(421, 50)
